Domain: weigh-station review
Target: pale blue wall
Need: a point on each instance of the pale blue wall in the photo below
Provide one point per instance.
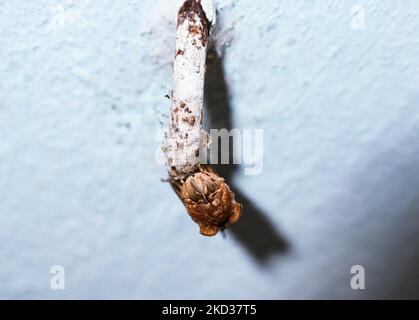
(82, 86)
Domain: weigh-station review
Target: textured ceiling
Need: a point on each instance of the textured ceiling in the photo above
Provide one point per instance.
(82, 108)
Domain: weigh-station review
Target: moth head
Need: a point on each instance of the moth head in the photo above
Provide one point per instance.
(210, 202)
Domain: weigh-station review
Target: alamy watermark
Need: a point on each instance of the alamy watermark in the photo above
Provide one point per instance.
(57, 281)
(358, 278)
(235, 146)
(358, 17)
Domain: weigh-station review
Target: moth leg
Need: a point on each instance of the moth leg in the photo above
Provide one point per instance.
(236, 214)
(207, 230)
(177, 187)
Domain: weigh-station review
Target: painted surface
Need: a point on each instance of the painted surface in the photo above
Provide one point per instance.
(82, 102)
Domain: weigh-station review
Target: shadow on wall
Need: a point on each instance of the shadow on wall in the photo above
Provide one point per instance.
(406, 285)
(389, 186)
(254, 230)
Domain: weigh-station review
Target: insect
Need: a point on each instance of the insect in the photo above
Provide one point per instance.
(208, 200)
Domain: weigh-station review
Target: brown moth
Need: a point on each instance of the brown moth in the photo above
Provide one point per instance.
(208, 200)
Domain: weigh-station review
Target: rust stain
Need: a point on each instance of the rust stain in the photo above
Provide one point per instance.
(194, 29)
(180, 52)
(190, 120)
(191, 10)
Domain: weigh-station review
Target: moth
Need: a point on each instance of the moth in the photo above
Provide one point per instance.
(208, 200)
(206, 196)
